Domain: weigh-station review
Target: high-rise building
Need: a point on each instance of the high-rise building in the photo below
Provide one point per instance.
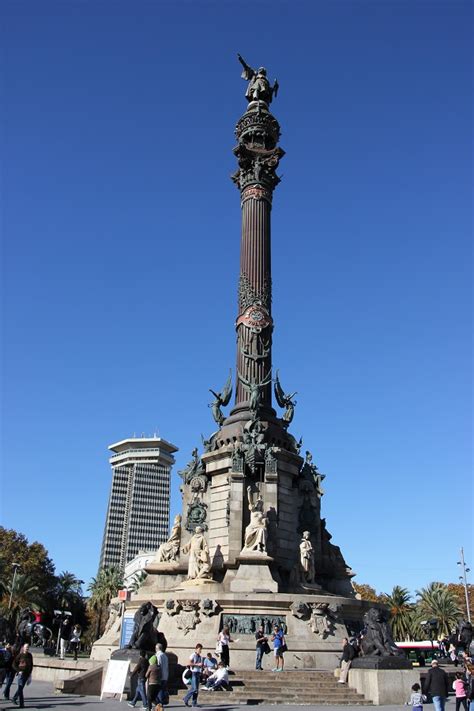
(139, 503)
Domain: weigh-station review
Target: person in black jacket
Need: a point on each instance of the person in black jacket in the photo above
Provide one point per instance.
(9, 653)
(23, 665)
(140, 670)
(437, 684)
(348, 654)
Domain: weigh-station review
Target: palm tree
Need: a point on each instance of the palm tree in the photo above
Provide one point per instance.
(398, 603)
(137, 581)
(437, 602)
(24, 593)
(68, 590)
(103, 588)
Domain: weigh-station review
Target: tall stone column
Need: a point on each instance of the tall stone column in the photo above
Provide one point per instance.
(258, 156)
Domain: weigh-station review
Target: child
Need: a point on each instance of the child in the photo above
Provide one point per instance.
(459, 686)
(417, 698)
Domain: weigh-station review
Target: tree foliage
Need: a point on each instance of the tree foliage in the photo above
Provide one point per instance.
(401, 612)
(32, 558)
(439, 601)
(436, 601)
(457, 589)
(103, 588)
(366, 592)
(35, 584)
(68, 590)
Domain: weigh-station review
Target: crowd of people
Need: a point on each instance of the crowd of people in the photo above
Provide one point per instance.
(16, 661)
(204, 671)
(437, 684)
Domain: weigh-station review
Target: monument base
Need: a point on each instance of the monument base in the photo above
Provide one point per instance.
(372, 662)
(253, 574)
(192, 614)
(384, 686)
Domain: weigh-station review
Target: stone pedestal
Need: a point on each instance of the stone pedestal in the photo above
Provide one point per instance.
(170, 568)
(253, 575)
(195, 613)
(384, 686)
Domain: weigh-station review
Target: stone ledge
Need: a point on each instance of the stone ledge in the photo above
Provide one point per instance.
(384, 686)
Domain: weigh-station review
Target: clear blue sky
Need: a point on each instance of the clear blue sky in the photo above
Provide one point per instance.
(121, 237)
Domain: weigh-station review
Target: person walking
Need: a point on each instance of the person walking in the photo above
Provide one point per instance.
(64, 634)
(416, 698)
(153, 677)
(348, 654)
(437, 684)
(5, 661)
(23, 665)
(75, 640)
(470, 693)
(279, 648)
(162, 662)
(10, 654)
(223, 639)
(140, 670)
(261, 644)
(196, 663)
(459, 687)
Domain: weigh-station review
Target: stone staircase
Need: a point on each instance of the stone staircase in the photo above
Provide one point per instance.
(287, 687)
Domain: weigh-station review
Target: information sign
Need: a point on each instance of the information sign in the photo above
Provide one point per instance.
(115, 678)
(127, 629)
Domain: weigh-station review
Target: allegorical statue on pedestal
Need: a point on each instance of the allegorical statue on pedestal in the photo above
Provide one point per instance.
(307, 566)
(259, 88)
(169, 551)
(256, 532)
(199, 559)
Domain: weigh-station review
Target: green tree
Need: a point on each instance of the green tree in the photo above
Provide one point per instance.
(103, 588)
(458, 590)
(436, 601)
(366, 592)
(68, 590)
(32, 558)
(401, 612)
(24, 592)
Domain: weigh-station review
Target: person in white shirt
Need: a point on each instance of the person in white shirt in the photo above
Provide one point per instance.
(218, 679)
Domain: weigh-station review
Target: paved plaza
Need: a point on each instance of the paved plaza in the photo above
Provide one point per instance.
(41, 695)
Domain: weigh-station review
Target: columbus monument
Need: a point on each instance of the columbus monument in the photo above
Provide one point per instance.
(250, 546)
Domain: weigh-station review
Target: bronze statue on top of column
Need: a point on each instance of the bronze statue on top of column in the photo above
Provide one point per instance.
(258, 88)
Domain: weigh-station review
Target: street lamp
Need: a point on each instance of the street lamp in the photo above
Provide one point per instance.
(15, 569)
(463, 579)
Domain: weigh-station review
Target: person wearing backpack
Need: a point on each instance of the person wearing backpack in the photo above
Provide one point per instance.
(348, 654)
